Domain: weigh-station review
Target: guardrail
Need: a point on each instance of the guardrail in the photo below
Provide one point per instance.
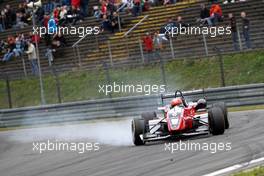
(124, 107)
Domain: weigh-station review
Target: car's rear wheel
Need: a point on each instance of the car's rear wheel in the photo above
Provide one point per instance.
(222, 105)
(216, 121)
(138, 128)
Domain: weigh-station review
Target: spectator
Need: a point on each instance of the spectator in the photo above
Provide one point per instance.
(49, 7)
(104, 8)
(40, 15)
(21, 8)
(3, 46)
(84, 7)
(158, 41)
(168, 27)
(62, 16)
(20, 21)
(96, 12)
(18, 50)
(10, 16)
(216, 13)
(11, 42)
(9, 54)
(49, 55)
(180, 23)
(74, 15)
(148, 45)
(146, 6)
(246, 29)
(114, 22)
(59, 40)
(233, 26)
(35, 38)
(76, 3)
(32, 57)
(129, 6)
(137, 7)
(66, 2)
(105, 23)
(205, 15)
(2, 21)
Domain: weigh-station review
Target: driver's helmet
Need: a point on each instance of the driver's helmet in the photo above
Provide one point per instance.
(176, 102)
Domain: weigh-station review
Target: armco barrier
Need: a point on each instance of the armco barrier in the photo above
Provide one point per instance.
(124, 107)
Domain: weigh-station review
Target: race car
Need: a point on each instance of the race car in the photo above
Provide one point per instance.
(180, 118)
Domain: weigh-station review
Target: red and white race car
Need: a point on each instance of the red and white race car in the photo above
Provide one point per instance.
(180, 118)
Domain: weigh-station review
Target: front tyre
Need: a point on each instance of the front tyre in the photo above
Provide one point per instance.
(222, 105)
(216, 121)
(138, 128)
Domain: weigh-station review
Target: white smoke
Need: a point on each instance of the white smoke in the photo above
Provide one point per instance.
(116, 133)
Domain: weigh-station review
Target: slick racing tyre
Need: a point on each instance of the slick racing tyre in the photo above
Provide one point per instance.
(224, 109)
(138, 128)
(216, 121)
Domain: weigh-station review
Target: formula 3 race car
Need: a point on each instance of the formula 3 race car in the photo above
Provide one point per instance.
(180, 118)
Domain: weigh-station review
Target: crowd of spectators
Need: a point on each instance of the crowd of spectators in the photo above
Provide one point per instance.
(211, 17)
(70, 12)
(62, 12)
(108, 10)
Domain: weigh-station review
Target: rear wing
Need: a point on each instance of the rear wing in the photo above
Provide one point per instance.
(181, 94)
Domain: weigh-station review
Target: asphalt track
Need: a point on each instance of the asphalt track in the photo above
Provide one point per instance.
(246, 136)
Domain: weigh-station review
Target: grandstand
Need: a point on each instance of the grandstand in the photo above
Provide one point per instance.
(125, 50)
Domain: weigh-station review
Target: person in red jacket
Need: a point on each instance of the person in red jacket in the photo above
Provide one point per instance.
(216, 13)
(76, 3)
(148, 44)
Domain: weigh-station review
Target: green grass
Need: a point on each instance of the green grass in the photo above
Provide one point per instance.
(243, 68)
(259, 171)
(246, 108)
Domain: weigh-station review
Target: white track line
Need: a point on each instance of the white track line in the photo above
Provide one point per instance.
(235, 167)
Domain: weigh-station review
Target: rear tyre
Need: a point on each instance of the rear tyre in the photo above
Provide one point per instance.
(225, 112)
(216, 121)
(138, 128)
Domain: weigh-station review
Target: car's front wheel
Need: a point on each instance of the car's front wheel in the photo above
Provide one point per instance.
(222, 105)
(216, 121)
(138, 128)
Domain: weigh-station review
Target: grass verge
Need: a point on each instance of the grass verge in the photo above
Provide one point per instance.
(258, 171)
(242, 68)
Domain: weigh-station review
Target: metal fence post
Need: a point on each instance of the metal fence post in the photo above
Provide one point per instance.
(110, 52)
(24, 66)
(163, 75)
(119, 22)
(205, 45)
(172, 49)
(97, 43)
(42, 94)
(58, 87)
(8, 91)
(141, 51)
(239, 39)
(75, 56)
(127, 48)
(79, 56)
(107, 76)
(221, 66)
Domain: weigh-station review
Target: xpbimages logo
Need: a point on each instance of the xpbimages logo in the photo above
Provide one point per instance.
(196, 30)
(146, 89)
(72, 30)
